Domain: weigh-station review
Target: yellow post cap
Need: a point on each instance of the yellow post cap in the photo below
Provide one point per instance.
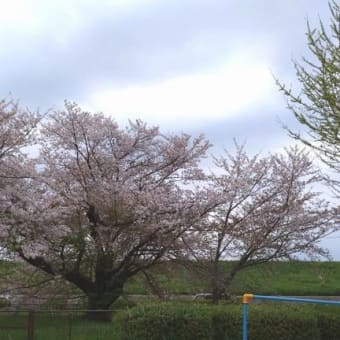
(247, 298)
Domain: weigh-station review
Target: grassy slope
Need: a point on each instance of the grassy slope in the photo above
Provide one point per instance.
(286, 278)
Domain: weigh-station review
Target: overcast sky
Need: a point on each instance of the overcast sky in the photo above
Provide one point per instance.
(198, 66)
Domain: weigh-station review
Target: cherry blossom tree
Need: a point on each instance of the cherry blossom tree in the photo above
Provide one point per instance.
(101, 204)
(106, 203)
(267, 211)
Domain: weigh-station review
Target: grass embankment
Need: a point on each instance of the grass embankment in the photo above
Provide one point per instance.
(277, 278)
(300, 278)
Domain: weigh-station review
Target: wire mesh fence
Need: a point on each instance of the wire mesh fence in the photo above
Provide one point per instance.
(56, 325)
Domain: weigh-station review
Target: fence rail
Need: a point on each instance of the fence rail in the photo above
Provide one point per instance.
(247, 298)
(55, 323)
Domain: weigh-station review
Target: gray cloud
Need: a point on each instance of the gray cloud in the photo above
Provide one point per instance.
(261, 131)
(144, 44)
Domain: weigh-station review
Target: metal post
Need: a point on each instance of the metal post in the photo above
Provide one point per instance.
(69, 326)
(245, 300)
(30, 325)
(244, 321)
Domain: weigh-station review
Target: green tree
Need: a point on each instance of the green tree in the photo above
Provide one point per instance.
(317, 106)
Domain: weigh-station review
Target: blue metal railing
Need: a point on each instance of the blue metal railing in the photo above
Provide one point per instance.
(249, 297)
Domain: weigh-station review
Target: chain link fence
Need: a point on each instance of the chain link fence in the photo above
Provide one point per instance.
(56, 325)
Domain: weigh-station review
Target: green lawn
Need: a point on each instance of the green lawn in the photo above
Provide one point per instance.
(49, 326)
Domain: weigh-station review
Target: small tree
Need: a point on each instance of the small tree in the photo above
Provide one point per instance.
(106, 203)
(317, 107)
(266, 212)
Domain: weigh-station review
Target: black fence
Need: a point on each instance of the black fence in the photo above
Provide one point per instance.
(57, 325)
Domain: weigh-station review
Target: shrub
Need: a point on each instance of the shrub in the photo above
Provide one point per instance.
(182, 321)
(170, 321)
(329, 322)
(282, 322)
(165, 321)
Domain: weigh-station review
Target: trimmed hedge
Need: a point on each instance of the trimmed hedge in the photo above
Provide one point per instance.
(329, 322)
(186, 321)
(176, 321)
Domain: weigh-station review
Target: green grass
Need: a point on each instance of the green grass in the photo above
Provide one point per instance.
(55, 327)
(291, 278)
(276, 278)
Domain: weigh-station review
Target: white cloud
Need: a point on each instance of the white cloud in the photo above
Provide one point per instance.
(228, 91)
(16, 12)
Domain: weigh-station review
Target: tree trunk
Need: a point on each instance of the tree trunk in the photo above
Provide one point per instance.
(218, 292)
(221, 285)
(99, 304)
(106, 289)
(217, 283)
